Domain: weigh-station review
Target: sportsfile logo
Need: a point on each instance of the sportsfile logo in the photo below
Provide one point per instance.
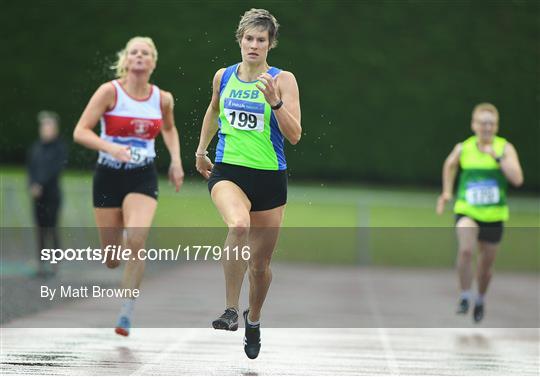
(117, 252)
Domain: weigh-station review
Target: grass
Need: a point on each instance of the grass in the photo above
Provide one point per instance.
(323, 223)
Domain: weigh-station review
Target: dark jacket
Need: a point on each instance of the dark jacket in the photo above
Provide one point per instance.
(45, 163)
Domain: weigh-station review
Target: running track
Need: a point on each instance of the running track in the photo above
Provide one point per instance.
(361, 322)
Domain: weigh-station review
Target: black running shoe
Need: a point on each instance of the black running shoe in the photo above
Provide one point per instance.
(227, 321)
(478, 313)
(463, 306)
(252, 339)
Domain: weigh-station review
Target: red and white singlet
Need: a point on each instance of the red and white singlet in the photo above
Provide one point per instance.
(134, 123)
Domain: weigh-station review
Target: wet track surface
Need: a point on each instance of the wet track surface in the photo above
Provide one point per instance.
(92, 348)
(285, 352)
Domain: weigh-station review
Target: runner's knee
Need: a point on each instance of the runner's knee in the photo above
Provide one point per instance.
(486, 272)
(466, 253)
(112, 263)
(486, 262)
(135, 240)
(259, 270)
(259, 267)
(239, 226)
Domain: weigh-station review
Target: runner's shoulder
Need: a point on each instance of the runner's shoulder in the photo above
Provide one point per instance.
(286, 75)
(217, 77)
(105, 94)
(167, 98)
(106, 89)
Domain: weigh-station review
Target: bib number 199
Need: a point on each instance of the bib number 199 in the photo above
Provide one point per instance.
(244, 115)
(241, 120)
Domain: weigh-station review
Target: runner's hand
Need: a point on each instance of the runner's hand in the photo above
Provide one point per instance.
(176, 175)
(120, 152)
(204, 166)
(269, 89)
(487, 149)
(441, 202)
(36, 190)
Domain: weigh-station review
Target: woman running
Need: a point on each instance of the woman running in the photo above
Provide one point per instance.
(487, 162)
(254, 106)
(132, 112)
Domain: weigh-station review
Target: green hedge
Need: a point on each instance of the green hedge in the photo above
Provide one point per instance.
(386, 87)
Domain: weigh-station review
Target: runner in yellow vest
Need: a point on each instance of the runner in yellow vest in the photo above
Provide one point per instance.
(486, 162)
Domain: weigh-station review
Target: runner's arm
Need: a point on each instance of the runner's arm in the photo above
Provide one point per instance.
(209, 128)
(169, 131)
(289, 115)
(450, 168)
(171, 139)
(83, 134)
(449, 172)
(210, 123)
(510, 165)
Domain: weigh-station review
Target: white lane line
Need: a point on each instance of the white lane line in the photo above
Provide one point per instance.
(383, 334)
(388, 351)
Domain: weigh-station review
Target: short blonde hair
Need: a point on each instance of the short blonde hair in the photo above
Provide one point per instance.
(485, 106)
(258, 18)
(120, 65)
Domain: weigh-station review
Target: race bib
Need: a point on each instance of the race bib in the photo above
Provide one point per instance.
(137, 149)
(244, 115)
(138, 155)
(483, 192)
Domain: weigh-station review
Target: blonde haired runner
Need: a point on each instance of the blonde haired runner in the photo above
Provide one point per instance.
(132, 112)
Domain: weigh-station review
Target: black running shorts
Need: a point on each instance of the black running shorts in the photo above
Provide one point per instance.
(265, 189)
(488, 232)
(111, 186)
